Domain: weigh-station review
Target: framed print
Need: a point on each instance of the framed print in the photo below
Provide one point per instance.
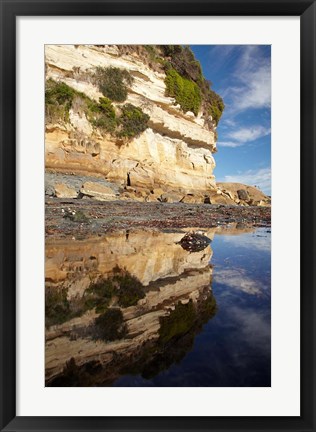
(157, 215)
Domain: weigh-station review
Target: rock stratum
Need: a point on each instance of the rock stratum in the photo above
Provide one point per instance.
(171, 160)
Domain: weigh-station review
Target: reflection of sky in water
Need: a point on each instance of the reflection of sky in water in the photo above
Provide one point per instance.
(260, 240)
(233, 348)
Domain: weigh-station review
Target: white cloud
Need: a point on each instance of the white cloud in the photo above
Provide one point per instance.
(249, 134)
(229, 144)
(237, 138)
(252, 241)
(257, 89)
(252, 88)
(254, 327)
(260, 178)
(237, 278)
(228, 122)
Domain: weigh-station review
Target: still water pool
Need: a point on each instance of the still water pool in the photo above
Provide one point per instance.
(194, 319)
(233, 348)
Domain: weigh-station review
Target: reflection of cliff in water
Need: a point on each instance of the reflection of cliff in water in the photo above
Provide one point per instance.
(131, 302)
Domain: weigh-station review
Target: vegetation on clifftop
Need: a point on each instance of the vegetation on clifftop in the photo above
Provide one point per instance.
(58, 101)
(60, 98)
(184, 82)
(132, 121)
(181, 59)
(215, 106)
(186, 93)
(113, 82)
(102, 115)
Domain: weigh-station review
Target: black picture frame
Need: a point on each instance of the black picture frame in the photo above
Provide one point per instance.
(9, 421)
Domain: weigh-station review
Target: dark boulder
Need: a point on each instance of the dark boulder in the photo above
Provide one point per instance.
(243, 194)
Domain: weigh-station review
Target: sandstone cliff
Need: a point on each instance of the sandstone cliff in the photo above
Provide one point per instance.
(173, 153)
(170, 156)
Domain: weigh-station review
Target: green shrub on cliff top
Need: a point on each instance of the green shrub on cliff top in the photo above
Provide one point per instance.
(113, 82)
(186, 92)
(133, 121)
(215, 105)
(58, 100)
(182, 59)
(102, 115)
(59, 92)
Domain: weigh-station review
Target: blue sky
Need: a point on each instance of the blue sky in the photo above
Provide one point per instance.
(241, 74)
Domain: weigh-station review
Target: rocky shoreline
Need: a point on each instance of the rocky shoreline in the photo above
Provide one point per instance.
(79, 219)
(66, 186)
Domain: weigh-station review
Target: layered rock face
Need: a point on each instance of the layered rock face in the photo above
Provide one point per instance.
(169, 274)
(173, 153)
